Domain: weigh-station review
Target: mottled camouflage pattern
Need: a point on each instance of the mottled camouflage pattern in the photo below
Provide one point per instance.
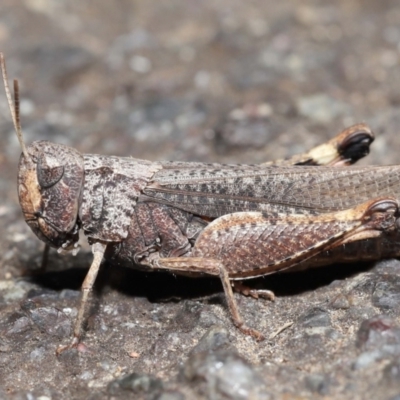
(50, 186)
(214, 191)
(253, 244)
(111, 188)
(232, 221)
(141, 208)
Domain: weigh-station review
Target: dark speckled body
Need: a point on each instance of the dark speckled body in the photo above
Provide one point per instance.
(141, 208)
(233, 221)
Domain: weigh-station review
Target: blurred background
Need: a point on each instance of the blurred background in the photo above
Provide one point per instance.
(211, 80)
(218, 80)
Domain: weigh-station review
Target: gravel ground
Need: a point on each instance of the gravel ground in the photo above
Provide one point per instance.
(226, 81)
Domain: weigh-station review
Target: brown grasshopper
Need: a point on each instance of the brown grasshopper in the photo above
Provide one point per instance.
(232, 221)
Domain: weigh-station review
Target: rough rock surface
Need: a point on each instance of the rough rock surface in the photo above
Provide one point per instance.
(227, 81)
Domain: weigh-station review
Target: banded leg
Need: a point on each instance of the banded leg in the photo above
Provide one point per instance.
(344, 149)
(249, 244)
(252, 244)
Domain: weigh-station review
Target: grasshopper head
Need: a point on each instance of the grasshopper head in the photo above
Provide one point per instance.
(50, 181)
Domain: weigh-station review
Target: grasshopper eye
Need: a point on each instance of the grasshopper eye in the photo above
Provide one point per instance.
(47, 175)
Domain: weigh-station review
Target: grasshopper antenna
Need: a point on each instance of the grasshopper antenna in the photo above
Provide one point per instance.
(14, 106)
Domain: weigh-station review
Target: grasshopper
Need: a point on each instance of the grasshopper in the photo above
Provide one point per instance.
(231, 221)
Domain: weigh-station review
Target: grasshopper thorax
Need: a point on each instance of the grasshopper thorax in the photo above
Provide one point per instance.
(50, 183)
